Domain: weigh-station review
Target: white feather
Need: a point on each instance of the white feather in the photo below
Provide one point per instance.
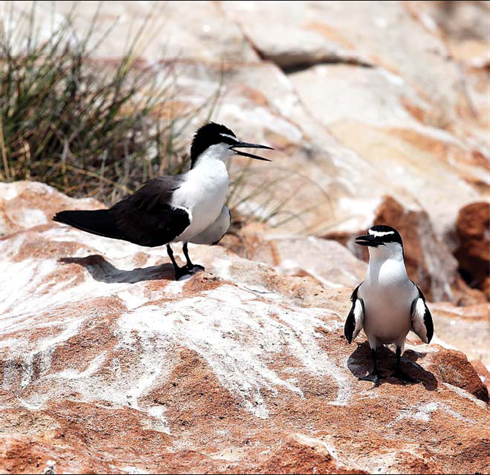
(203, 192)
(388, 294)
(230, 137)
(358, 318)
(380, 233)
(418, 323)
(214, 232)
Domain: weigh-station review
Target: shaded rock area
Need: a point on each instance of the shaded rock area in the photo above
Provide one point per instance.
(109, 365)
(473, 253)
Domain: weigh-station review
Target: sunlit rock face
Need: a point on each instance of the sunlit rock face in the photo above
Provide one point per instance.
(108, 364)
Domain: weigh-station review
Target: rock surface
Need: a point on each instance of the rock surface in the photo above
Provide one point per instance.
(26, 204)
(107, 364)
(185, 29)
(378, 111)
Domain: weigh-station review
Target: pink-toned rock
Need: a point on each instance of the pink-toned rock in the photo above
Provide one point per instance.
(327, 261)
(185, 30)
(25, 204)
(464, 26)
(466, 328)
(108, 365)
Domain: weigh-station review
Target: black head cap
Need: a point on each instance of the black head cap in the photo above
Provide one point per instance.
(211, 134)
(379, 235)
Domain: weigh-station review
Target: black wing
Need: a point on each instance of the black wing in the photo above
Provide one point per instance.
(353, 324)
(145, 218)
(98, 222)
(422, 323)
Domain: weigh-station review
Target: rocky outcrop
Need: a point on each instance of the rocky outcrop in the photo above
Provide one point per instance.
(107, 364)
(174, 29)
(26, 204)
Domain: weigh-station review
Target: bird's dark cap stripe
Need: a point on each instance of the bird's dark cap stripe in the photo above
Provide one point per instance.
(210, 134)
(385, 234)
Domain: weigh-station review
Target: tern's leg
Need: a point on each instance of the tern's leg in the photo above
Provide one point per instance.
(374, 376)
(398, 373)
(179, 271)
(192, 268)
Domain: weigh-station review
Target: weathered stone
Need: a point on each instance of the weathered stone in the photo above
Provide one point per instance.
(464, 26)
(184, 30)
(374, 32)
(326, 261)
(464, 328)
(402, 136)
(25, 204)
(482, 372)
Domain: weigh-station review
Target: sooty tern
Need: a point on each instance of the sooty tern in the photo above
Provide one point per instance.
(183, 208)
(387, 305)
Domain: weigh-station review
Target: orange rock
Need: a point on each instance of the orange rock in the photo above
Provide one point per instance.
(482, 372)
(473, 253)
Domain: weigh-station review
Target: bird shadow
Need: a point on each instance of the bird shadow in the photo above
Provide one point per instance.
(360, 364)
(103, 271)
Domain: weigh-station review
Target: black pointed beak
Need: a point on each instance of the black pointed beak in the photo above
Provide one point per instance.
(368, 240)
(250, 145)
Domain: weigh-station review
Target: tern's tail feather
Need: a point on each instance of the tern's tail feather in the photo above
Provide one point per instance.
(99, 222)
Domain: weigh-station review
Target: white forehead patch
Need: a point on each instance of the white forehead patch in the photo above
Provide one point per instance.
(229, 137)
(380, 233)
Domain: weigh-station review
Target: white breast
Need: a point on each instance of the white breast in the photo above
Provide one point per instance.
(388, 294)
(203, 194)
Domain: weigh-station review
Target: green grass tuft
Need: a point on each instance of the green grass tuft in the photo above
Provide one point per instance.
(86, 128)
(97, 128)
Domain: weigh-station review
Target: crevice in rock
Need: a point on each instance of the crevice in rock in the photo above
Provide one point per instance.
(302, 66)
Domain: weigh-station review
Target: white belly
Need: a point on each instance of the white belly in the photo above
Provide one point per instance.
(388, 294)
(387, 314)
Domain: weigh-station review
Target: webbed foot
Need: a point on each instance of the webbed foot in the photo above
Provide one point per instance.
(186, 272)
(373, 377)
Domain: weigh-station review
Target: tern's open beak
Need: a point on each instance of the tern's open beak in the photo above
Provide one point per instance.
(250, 145)
(368, 240)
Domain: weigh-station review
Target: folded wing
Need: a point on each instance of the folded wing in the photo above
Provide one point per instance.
(146, 218)
(354, 322)
(422, 323)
